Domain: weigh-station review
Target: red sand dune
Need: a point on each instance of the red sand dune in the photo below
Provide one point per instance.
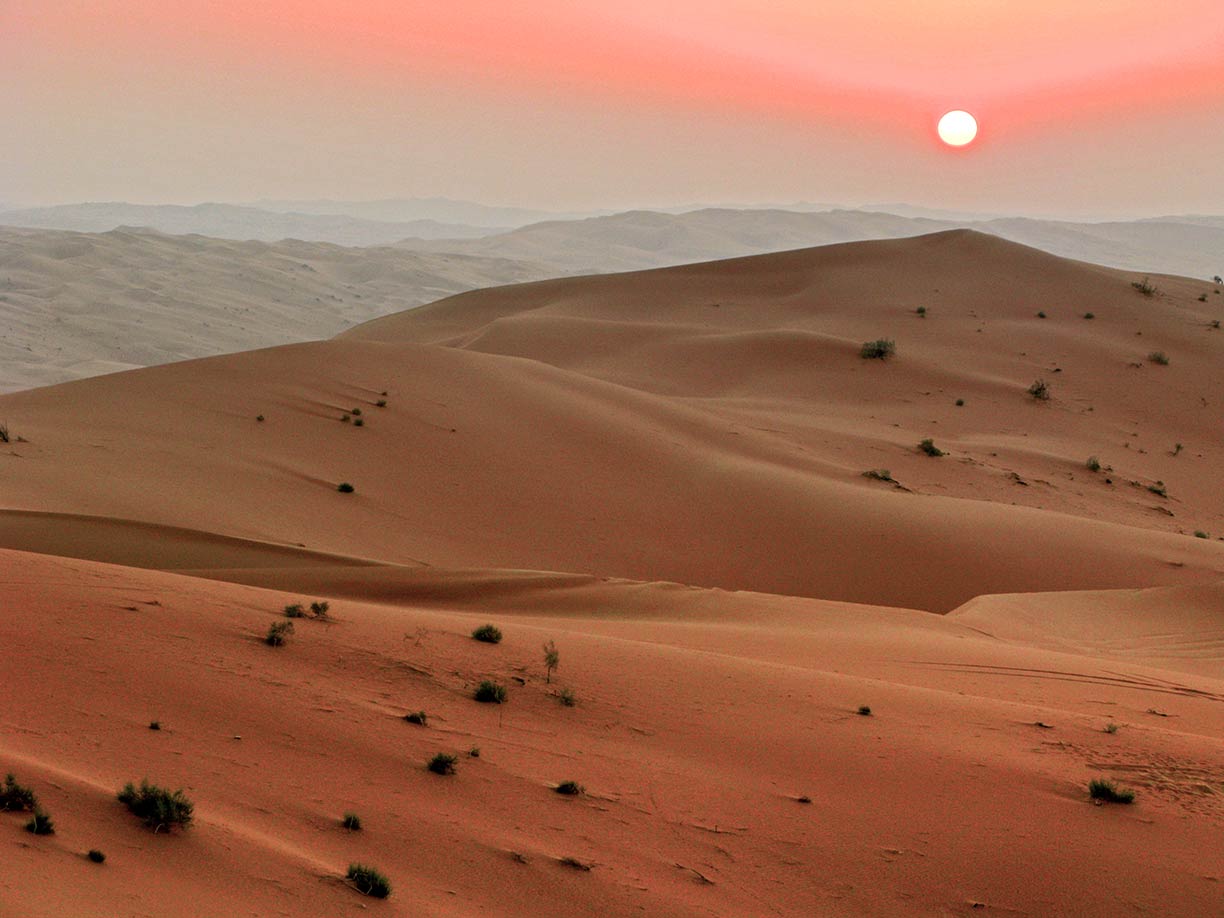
(600, 461)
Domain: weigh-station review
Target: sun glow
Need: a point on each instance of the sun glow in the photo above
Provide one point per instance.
(957, 128)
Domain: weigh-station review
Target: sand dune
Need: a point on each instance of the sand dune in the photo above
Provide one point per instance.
(662, 472)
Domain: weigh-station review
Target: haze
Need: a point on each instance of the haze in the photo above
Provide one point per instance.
(1096, 109)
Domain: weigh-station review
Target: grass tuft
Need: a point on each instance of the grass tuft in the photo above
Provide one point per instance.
(489, 634)
(1108, 792)
(368, 881)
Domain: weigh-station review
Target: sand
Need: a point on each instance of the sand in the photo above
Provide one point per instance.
(662, 472)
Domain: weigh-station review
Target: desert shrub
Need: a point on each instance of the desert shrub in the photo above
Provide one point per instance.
(1093, 464)
(576, 864)
(1111, 728)
(356, 412)
(921, 310)
(1040, 390)
(1100, 789)
(490, 692)
(1218, 280)
(345, 488)
(320, 609)
(928, 446)
(155, 725)
(960, 403)
(1159, 357)
(352, 822)
(1041, 315)
(381, 403)
(878, 474)
(368, 881)
(359, 422)
(1090, 315)
(417, 717)
(1159, 489)
(278, 633)
(295, 611)
(570, 788)
(1215, 323)
(96, 856)
(344, 418)
(864, 710)
(259, 418)
(157, 807)
(879, 349)
(1202, 298)
(567, 698)
(474, 752)
(41, 824)
(5, 436)
(489, 634)
(1199, 534)
(1144, 286)
(552, 659)
(442, 764)
(15, 797)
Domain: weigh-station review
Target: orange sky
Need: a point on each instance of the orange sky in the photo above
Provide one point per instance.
(582, 104)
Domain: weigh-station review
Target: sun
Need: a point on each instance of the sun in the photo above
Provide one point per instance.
(957, 128)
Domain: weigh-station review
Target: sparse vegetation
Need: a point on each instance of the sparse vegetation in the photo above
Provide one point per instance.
(1159, 357)
(1111, 728)
(294, 611)
(490, 692)
(880, 349)
(368, 881)
(260, 419)
(1108, 792)
(352, 822)
(567, 698)
(417, 717)
(960, 403)
(921, 310)
(1144, 286)
(278, 633)
(320, 609)
(442, 764)
(1215, 323)
(41, 824)
(489, 634)
(96, 856)
(576, 864)
(1041, 315)
(1040, 390)
(16, 798)
(474, 752)
(1159, 489)
(1090, 315)
(157, 807)
(359, 422)
(1202, 298)
(1093, 464)
(381, 403)
(4, 433)
(928, 446)
(1199, 534)
(155, 725)
(864, 710)
(552, 659)
(878, 475)
(344, 419)
(345, 488)
(570, 788)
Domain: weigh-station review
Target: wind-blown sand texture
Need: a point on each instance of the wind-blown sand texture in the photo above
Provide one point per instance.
(662, 472)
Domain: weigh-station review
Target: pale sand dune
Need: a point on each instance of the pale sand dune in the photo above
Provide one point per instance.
(672, 490)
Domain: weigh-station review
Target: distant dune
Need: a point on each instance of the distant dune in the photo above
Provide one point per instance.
(784, 687)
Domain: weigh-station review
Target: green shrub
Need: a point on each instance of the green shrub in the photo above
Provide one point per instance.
(442, 764)
(1041, 315)
(1159, 357)
(417, 717)
(345, 488)
(878, 475)
(921, 310)
(157, 807)
(352, 822)
(295, 611)
(1093, 464)
(474, 752)
(278, 633)
(320, 609)
(1144, 286)
(345, 418)
(17, 798)
(567, 698)
(864, 710)
(381, 403)
(1100, 789)
(1199, 534)
(552, 659)
(96, 856)
(356, 412)
(1159, 489)
(155, 725)
(368, 881)
(960, 403)
(1090, 315)
(1040, 390)
(490, 692)
(1111, 728)
(260, 419)
(880, 349)
(41, 824)
(359, 422)
(570, 788)
(928, 446)
(487, 633)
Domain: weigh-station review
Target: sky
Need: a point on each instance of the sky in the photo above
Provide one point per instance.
(1087, 108)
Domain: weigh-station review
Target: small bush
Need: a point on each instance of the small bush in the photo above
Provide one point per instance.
(1041, 315)
(1159, 357)
(41, 824)
(1040, 390)
(155, 725)
(345, 488)
(570, 788)
(417, 717)
(489, 634)
(352, 822)
(381, 403)
(880, 349)
(1093, 464)
(344, 418)
(921, 310)
(1100, 789)
(442, 764)
(157, 807)
(320, 609)
(1090, 315)
(260, 419)
(1111, 728)
(278, 633)
(960, 403)
(474, 752)
(566, 697)
(552, 659)
(490, 692)
(1199, 534)
(1202, 298)
(1144, 286)
(96, 856)
(928, 446)
(1159, 489)
(368, 881)
(295, 611)
(359, 422)
(1215, 323)
(16, 798)
(878, 475)
(576, 864)
(864, 710)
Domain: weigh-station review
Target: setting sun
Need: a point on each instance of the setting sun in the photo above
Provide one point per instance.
(957, 128)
